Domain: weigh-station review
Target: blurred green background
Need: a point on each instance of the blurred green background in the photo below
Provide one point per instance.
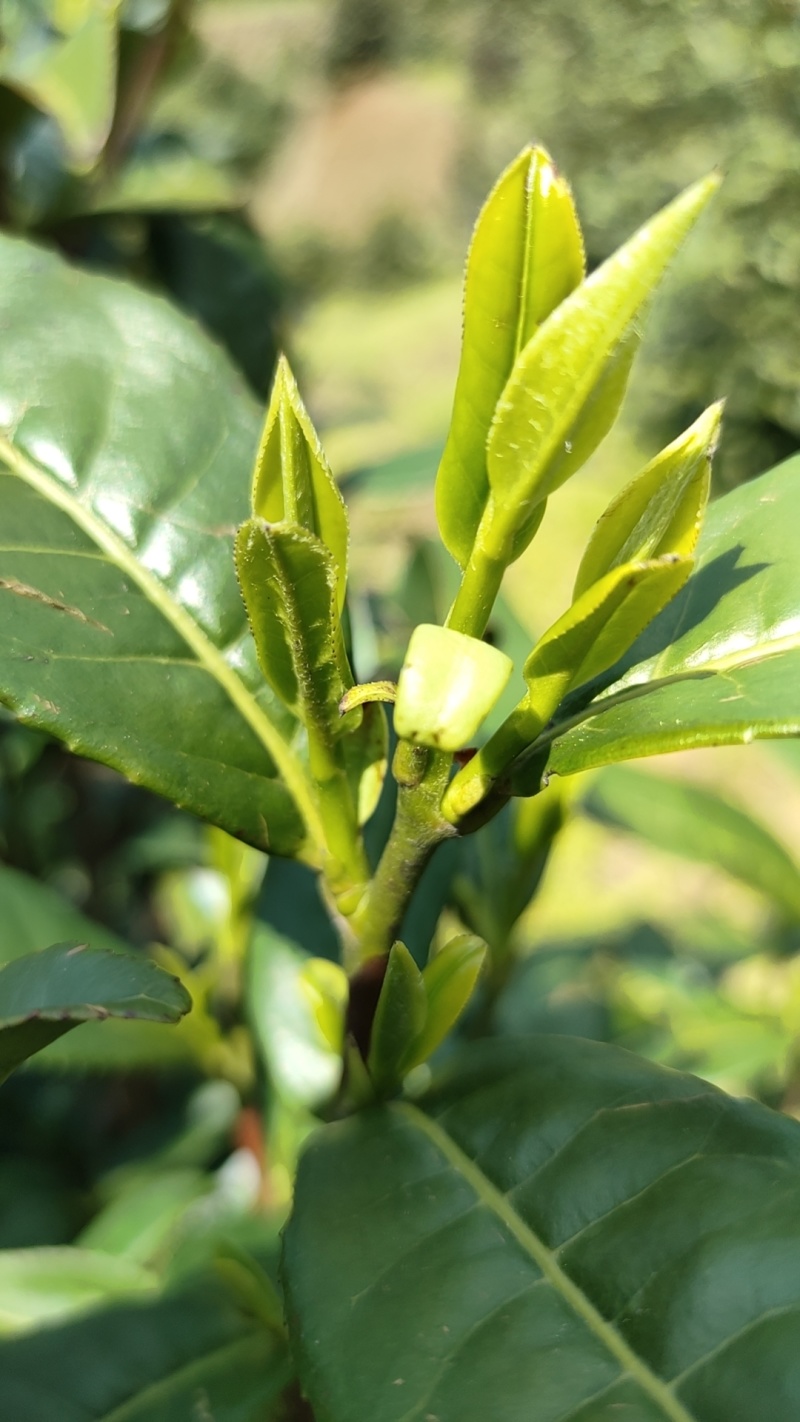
(304, 174)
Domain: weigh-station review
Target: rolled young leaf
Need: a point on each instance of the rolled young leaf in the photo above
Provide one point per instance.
(447, 685)
(661, 511)
(43, 995)
(289, 584)
(449, 979)
(526, 255)
(292, 482)
(567, 384)
(399, 1019)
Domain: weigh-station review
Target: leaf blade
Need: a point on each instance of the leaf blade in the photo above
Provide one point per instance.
(491, 1235)
(98, 523)
(45, 994)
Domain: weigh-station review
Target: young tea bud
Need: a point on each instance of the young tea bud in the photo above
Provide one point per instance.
(448, 685)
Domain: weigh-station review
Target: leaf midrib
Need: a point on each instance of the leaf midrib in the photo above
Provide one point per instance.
(493, 1199)
(208, 656)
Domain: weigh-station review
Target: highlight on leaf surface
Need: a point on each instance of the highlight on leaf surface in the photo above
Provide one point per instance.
(567, 384)
(526, 255)
(661, 511)
(447, 686)
(292, 481)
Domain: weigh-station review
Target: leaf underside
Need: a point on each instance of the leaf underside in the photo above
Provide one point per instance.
(565, 1233)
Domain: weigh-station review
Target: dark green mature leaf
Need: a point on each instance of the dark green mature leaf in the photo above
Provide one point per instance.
(32, 916)
(562, 1233)
(46, 994)
(700, 825)
(125, 453)
(191, 1355)
(721, 664)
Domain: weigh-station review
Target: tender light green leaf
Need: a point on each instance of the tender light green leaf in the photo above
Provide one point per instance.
(699, 825)
(292, 482)
(47, 1284)
(588, 639)
(661, 511)
(447, 686)
(288, 581)
(721, 665)
(124, 453)
(46, 994)
(599, 627)
(303, 1067)
(567, 384)
(190, 1355)
(399, 1019)
(67, 68)
(526, 256)
(138, 1222)
(563, 1233)
(449, 980)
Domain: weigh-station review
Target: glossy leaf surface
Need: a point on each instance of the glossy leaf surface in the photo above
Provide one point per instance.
(124, 455)
(563, 1233)
(697, 824)
(567, 384)
(526, 256)
(721, 665)
(46, 994)
(148, 1362)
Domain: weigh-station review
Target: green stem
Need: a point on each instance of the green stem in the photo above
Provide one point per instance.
(347, 869)
(482, 577)
(418, 829)
(479, 777)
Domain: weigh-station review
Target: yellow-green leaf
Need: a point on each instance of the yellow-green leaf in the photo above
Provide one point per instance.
(567, 384)
(526, 256)
(662, 510)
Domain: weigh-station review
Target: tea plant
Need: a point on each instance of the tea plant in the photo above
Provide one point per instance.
(545, 1226)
